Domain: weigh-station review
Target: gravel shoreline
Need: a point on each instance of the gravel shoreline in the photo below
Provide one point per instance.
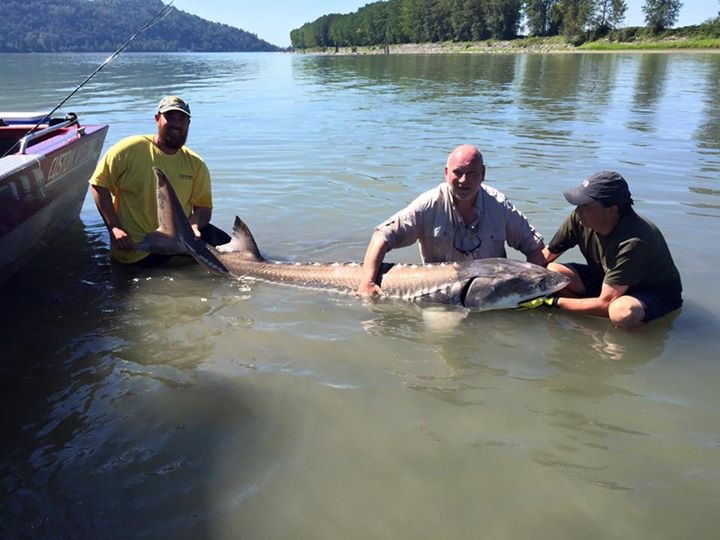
(484, 47)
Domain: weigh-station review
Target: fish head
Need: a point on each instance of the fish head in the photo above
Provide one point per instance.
(504, 283)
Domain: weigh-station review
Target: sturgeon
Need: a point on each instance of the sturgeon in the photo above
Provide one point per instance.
(478, 285)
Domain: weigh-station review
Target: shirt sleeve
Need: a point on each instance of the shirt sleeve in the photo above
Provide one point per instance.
(404, 228)
(519, 233)
(107, 171)
(630, 263)
(566, 236)
(202, 191)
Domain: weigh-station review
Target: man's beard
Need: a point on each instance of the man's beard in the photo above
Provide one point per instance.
(172, 139)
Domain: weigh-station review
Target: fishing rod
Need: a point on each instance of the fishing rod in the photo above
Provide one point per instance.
(150, 22)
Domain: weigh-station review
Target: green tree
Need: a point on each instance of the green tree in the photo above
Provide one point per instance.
(467, 20)
(393, 29)
(416, 19)
(373, 20)
(503, 18)
(607, 14)
(575, 16)
(296, 39)
(661, 14)
(541, 17)
(309, 35)
(437, 20)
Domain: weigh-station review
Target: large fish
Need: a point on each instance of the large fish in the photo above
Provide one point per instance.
(478, 285)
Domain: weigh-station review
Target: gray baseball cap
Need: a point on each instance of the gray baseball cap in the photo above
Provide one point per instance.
(608, 187)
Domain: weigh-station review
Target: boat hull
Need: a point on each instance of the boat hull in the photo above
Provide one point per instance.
(42, 191)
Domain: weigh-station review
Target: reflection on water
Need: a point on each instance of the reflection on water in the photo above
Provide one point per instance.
(709, 130)
(173, 402)
(649, 89)
(589, 349)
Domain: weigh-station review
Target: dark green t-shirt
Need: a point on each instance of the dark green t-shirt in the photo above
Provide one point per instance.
(633, 254)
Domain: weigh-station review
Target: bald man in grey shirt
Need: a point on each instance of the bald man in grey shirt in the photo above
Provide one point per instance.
(459, 220)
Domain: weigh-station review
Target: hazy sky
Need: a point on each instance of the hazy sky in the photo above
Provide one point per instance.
(272, 20)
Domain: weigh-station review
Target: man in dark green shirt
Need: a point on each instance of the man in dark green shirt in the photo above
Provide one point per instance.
(630, 275)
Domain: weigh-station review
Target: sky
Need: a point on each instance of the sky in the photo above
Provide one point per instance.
(272, 20)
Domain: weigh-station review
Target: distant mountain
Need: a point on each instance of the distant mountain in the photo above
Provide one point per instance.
(104, 25)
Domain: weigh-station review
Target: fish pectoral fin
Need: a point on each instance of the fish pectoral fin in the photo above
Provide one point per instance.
(200, 251)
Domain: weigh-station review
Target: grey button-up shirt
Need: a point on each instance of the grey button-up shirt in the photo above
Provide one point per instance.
(433, 220)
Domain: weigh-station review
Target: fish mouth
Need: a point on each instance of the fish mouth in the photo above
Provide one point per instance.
(465, 290)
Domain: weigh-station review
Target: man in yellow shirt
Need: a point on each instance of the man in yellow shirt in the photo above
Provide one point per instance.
(125, 191)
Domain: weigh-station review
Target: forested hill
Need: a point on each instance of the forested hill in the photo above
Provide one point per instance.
(104, 25)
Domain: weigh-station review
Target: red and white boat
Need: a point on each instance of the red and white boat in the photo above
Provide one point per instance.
(43, 180)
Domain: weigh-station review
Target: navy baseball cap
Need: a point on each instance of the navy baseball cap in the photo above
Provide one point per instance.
(608, 187)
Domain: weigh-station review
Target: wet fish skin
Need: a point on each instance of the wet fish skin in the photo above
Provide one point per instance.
(478, 285)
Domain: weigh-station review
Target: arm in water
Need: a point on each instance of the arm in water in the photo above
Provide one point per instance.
(374, 257)
(118, 236)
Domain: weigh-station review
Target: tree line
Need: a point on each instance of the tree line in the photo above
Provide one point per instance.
(418, 21)
(103, 25)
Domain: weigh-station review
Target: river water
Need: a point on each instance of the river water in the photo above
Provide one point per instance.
(172, 403)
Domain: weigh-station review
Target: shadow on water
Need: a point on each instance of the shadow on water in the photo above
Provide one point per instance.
(108, 430)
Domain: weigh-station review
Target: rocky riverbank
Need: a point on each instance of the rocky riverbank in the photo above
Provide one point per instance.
(526, 45)
(448, 47)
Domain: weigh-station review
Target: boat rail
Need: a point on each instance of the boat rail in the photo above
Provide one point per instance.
(27, 139)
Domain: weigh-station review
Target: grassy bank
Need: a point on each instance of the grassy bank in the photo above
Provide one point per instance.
(605, 45)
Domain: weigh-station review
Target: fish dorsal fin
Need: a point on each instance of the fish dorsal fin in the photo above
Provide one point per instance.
(171, 216)
(174, 229)
(242, 242)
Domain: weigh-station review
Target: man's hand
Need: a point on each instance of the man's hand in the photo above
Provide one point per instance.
(550, 301)
(199, 219)
(376, 250)
(121, 240)
(369, 289)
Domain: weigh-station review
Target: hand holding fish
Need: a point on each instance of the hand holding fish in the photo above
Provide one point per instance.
(369, 289)
(121, 239)
(550, 301)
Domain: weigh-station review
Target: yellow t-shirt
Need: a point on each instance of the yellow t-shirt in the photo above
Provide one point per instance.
(126, 171)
